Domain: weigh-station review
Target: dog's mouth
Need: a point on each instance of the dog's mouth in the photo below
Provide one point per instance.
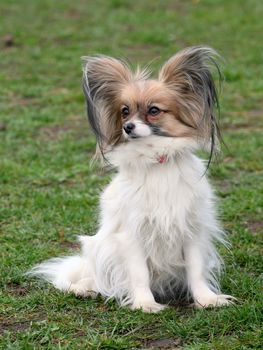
(154, 131)
(133, 136)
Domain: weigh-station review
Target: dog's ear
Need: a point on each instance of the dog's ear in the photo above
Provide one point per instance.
(103, 79)
(189, 75)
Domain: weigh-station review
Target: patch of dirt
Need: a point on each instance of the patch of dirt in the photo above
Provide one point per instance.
(255, 226)
(253, 113)
(178, 6)
(251, 120)
(2, 127)
(47, 182)
(223, 185)
(15, 100)
(73, 13)
(167, 343)
(14, 326)
(245, 127)
(18, 100)
(8, 40)
(26, 101)
(55, 132)
(17, 326)
(67, 244)
(16, 289)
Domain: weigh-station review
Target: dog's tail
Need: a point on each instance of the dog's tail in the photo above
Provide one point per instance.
(61, 272)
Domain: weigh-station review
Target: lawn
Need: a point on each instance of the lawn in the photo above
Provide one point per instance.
(49, 190)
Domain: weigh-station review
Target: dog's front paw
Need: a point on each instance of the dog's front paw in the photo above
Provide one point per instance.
(147, 306)
(84, 288)
(214, 300)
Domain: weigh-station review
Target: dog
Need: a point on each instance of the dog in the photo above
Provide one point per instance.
(158, 226)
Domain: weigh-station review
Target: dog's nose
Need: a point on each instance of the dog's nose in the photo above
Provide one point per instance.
(129, 127)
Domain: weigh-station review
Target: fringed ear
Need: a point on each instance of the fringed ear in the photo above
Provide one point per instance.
(103, 79)
(189, 75)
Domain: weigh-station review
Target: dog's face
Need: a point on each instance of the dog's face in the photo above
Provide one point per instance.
(149, 108)
(124, 106)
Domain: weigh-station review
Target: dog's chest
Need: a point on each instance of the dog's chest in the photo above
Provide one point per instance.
(158, 202)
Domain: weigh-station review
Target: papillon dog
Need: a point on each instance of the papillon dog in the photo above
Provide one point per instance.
(158, 226)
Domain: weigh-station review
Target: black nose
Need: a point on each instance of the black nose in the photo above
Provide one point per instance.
(129, 127)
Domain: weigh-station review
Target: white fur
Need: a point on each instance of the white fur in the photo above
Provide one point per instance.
(140, 130)
(157, 233)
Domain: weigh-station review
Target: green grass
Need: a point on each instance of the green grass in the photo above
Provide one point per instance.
(49, 193)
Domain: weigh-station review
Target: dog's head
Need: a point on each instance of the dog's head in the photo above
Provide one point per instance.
(124, 106)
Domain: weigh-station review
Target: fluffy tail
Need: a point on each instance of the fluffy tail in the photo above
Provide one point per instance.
(63, 272)
(100, 268)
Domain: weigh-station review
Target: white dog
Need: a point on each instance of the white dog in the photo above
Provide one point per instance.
(158, 224)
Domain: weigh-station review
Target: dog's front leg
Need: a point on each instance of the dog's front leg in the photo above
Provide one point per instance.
(141, 294)
(198, 284)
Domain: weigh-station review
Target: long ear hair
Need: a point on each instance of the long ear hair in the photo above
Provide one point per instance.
(103, 79)
(189, 75)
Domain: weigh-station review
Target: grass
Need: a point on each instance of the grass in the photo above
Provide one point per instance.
(49, 193)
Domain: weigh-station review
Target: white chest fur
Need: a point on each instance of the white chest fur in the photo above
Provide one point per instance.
(159, 204)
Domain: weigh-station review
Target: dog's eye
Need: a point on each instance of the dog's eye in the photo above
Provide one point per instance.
(154, 111)
(125, 112)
